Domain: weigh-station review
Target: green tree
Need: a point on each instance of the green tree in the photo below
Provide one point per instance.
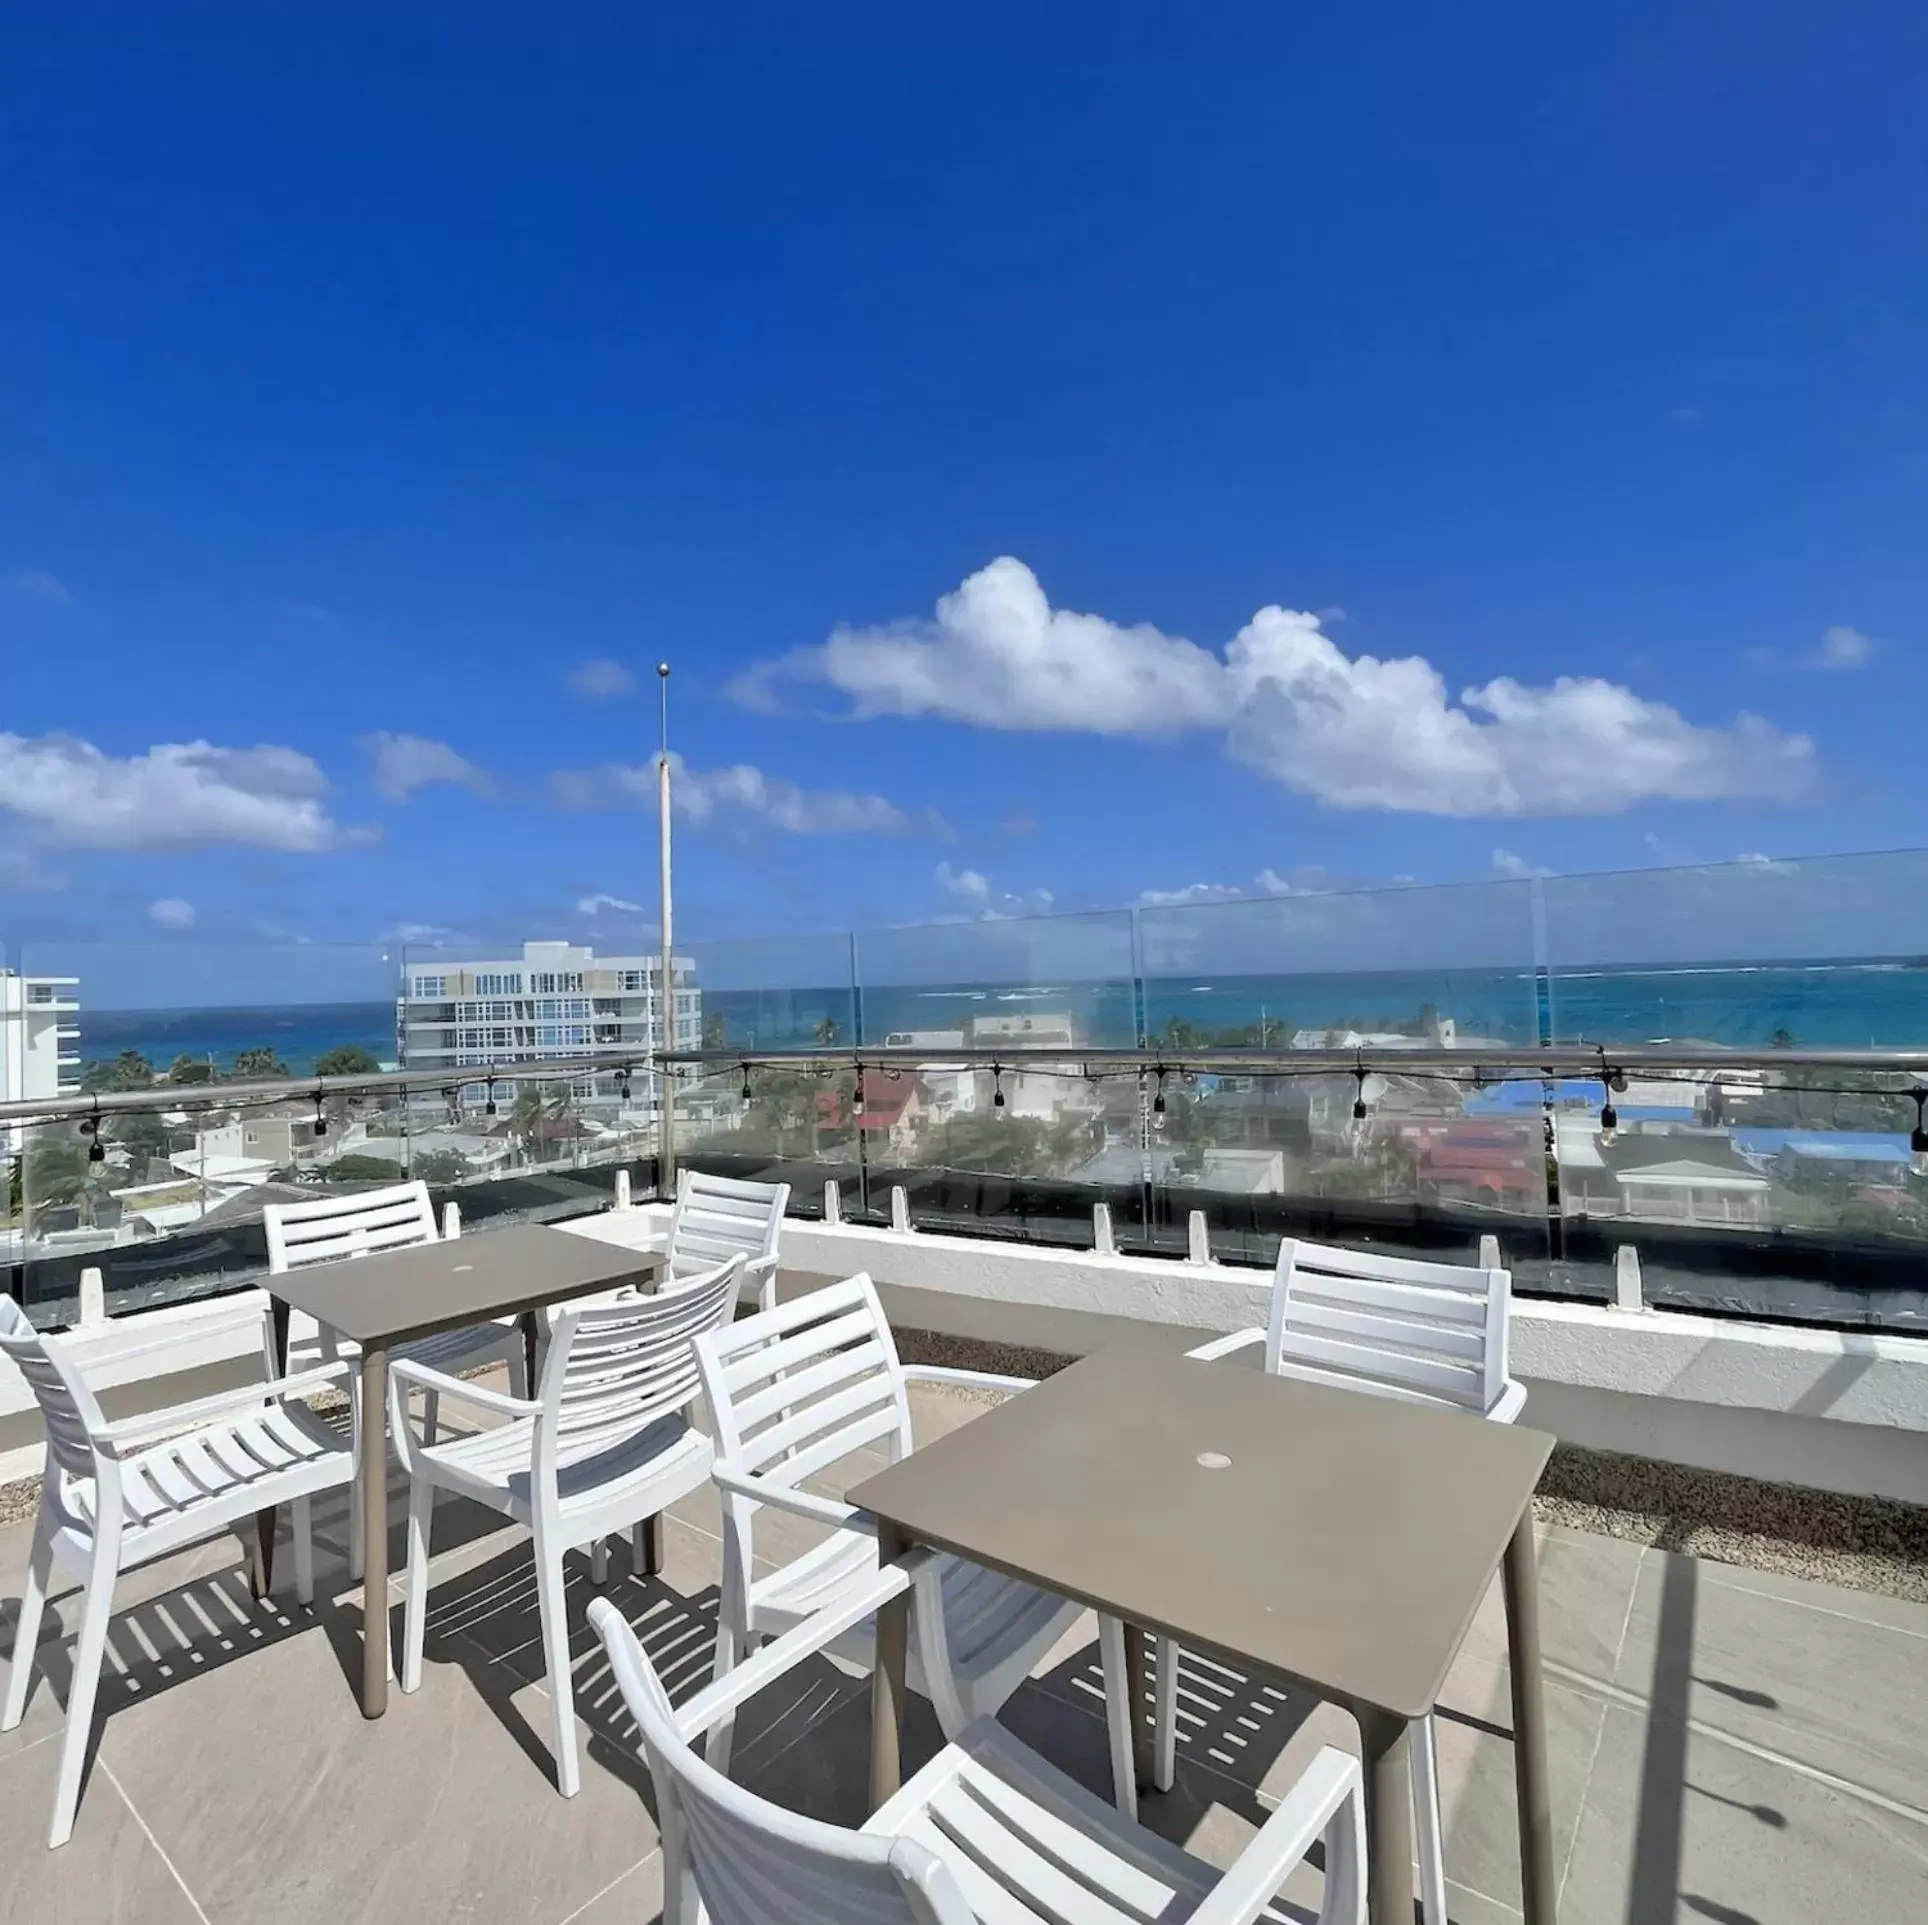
(346, 1059)
(260, 1062)
(440, 1166)
(129, 1070)
(1781, 1038)
(359, 1169)
(825, 1031)
(191, 1069)
(143, 1135)
(55, 1173)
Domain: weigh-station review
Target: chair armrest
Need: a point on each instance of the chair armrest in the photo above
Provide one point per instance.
(786, 1497)
(1508, 1405)
(755, 1266)
(1309, 1811)
(405, 1375)
(970, 1379)
(1224, 1346)
(183, 1416)
(771, 1661)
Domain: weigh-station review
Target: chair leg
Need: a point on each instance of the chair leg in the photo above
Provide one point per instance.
(431, 1414)
(26, 1630)
(552, 1605)
(646, 1545)
(421, 1524)
(301, 1522)
(599, 1562)
(519, 1368)
(1426, 1821)
(1119, 1713)
(89, 1648)
(1164, 1753)
(730, 1651)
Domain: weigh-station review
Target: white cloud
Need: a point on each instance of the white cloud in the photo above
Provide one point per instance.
(36, 585)
(595, 905)
(1845, 647)
(1353, 732)
(743, 794)
(405, 763)
(601, 679)
(1192, 892)
(1271, 883)
(178, 795)
(1508, 864)
(171, 912)
(433, 935)
(973, 888)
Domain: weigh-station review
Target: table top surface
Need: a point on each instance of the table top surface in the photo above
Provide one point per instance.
(1334, 1538)
(428, 1287)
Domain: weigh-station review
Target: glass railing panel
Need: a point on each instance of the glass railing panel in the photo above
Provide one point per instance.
(1769, 1188)
(788, 992)
(773, 1124)
(1437, 1161)
(172, 1207)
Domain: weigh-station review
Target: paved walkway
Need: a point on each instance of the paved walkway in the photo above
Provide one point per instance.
(1726, 1746)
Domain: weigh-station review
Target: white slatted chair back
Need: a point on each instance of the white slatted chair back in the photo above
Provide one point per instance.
(1431, 1333)
(749, 1862)
(614, 1368)
(799, 1388)
(67, 1407)
(347, 1226)
(717, 1217)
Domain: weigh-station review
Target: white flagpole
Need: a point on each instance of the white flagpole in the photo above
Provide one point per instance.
(666, 981)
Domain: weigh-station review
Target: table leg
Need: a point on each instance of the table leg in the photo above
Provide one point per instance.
(374, 1477)
(530, 1340)
(1135, 1692)
(1389, 1819)
(1521, 1582)
(887, 1678)
(261, 1577)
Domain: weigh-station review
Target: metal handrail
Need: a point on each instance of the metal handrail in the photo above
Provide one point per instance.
(1560, 1062)
(234, 1095)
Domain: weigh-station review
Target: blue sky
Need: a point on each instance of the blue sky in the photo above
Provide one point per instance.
(1068, 454)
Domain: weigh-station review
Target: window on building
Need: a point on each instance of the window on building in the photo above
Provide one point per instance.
(426, 986)
(499, 983)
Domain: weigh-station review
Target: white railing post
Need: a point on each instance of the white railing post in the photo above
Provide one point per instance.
(1198, 1238)
(1489, 1252)
(622, 1190)
(899, 1207)
(1103, 1242)
(832, 1202)
(451, 1218)
(93, 1300)
(1627, 1291)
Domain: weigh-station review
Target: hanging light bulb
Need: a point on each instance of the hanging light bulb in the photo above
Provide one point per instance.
(622, 1082)
(1609, 1116)
(1918, 1142)
(96, 1149)
(1359, 1095)
(997, 1087)
(321, 1122)
(747, 1091)
(488, 1108)
(451, 1101)
(1158, 1101)
(857, 1097)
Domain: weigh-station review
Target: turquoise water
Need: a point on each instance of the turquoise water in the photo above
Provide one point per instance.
(1821, 1005)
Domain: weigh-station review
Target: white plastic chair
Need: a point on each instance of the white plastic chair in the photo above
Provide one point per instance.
(105, 1508)
(335, 1229)
(796, 1390)
(986, 1834)
(1426, 1333)
(600, 1447)
(717, 1217)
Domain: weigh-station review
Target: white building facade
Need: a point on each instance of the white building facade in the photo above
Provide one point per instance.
(39, 1037)
(554, 1001)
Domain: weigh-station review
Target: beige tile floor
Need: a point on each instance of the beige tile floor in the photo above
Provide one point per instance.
(1726, 1746)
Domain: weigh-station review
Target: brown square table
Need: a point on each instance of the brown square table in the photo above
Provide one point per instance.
(389, 1296)
(1337, 1541)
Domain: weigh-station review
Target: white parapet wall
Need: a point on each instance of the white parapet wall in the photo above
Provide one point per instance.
(1831, 1411)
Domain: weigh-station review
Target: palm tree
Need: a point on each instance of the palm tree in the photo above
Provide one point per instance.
(826, 1031)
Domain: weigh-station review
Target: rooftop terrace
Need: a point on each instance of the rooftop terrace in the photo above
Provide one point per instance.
(1726, 1744)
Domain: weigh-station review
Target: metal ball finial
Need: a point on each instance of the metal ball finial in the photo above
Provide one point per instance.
(662, 669)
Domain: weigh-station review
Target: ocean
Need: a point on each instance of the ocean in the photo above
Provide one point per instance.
(1871, 1003)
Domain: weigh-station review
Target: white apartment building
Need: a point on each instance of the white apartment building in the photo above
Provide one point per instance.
(555, 1000)
(39, 1038)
